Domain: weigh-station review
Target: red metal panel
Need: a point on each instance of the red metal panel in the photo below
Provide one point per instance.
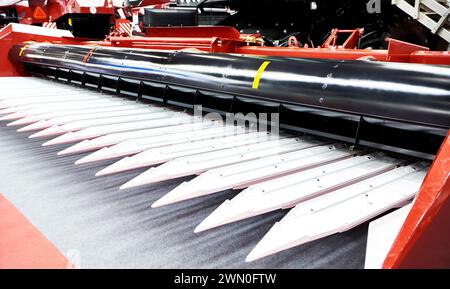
(431, 57)
(350, 43)
(153, 2)
(8, 37)
(400, 51)
(22, 246)
(6, 42)
(423, 57)
(207, 44)
(344, 54)
(25, 14)
(424, 240)
(188, 32)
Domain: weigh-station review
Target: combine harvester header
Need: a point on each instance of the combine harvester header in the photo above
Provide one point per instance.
(374, 119)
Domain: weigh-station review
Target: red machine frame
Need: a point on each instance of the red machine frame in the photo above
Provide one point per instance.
(228, 40)
(38, 11)
(41, 11)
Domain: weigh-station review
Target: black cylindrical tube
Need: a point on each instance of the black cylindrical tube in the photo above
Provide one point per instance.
(412, 93)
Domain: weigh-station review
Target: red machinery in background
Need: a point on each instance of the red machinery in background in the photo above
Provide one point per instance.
(84, 18)
(219, 39)
(228, 40)
(89, 19)
(38, 11)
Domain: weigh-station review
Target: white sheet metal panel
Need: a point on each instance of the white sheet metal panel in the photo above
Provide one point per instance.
(359, 188)
(82, 124)
(45, 103)
(147, 156)
(27, 82)
(131, 147)
(200, 163)
(38, 30)
(96, 131)
(21, 83)
(15, 82)
(18, 112)
(26, 87)
(13, 96)
(62, 120)
(73, 111)
(13, 92)
(130, 163)
(298, 228)
(381, 235)
(38, 88)
(46, 99)
(159, 156)
(247, 173)
(288, 191)
(115, 138)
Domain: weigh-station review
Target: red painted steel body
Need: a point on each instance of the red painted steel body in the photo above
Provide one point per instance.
(398, 51)
(22, 246)
(54, 9)
(424, 240)
(229, 40)
(10, 36)
(350, 43)
(40, 11)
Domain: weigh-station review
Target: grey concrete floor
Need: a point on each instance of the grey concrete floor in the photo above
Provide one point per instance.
(109, 228)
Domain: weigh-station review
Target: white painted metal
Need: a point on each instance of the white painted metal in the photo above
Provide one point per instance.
(381, 235)
(423, 10)
(199, 163)
(38, 93)
(46, 99)
(298, 228)
(332, 187)
(148, 156)
(96, 131)
(159, 156)
(13, 86)
(39, 30)
(131, 147)
(19, 82)
(24, 85)
(368, 185)
(82, 124)
(33, 89)
(245, 174)
(66, 119)
(14, 81)
(288, 191)
(115, 138)
(138, 162)
(18, 112)
(74, 111)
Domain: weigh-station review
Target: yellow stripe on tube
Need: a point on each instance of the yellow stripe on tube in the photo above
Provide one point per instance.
(259, 73)
(22, 50)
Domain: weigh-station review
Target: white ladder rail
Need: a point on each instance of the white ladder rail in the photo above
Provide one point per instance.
(421, 10)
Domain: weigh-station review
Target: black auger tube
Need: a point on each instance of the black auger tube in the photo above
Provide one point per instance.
(410, 93)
